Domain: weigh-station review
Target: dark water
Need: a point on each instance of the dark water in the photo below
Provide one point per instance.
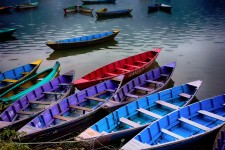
(193, 35)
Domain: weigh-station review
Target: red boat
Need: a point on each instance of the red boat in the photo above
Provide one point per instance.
(130, 67)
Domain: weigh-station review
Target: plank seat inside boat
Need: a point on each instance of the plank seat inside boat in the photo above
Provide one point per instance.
(172, 134)
(52, 93)
(163, 103)
(9, 80)
(25, 73)
(165, 75)
(62, 118)
(130, 65)
(30, 129)
(149, 113)
(39, 102)
(4, 123)
(185, 95)
(111, 74)
(131, 95)
(64, 84)
(129, 122)
(195, 124)
(89, 133)
(142, 62)
(25, 112)
(96, 99)
(143, 88)
(122, 69)
(204, 112)
(81, 108)
(110, 90)
(154, 82)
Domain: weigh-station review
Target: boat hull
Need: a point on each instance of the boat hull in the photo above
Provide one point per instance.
(114, 13)
(7, 33)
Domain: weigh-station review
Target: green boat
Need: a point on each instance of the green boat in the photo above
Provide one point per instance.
(6, 32)
(31, 83)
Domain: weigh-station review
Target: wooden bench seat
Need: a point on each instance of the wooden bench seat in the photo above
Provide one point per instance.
(81, 108)
(203, 112)
(154, 82)
(129, 122)
(134, 66)
(149, 113)
(96, 99)
(40, 102)
(62, 118)
(64, 84)
(52, 93)
(122, 69)
(195, 124)
(9, 80)
(172, 134)
(165, 75)
(111, 74)
(143, 88)
(25, 112)
(131, 95)
(185, 95)
(163, 103)
(142, 62)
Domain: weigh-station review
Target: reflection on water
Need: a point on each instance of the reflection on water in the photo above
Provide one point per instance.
(64, 53)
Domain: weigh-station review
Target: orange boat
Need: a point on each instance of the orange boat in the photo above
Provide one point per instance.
(130, 67)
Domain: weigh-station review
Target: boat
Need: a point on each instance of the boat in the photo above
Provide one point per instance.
(143, 85)
(105, 13)
(36, 101)
(98, 1)
(83, 41)
(71, 9)
(159, 6)
(26, 6)
(12, 77)
(129, 120)
(84, 9)
(164, 7)
(29, 84)
(5, 9)
(219, 143)
(72, 114)
(6, 32)
(130, 67)
(185, 126)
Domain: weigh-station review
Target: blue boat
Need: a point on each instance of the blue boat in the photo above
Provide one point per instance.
(105, 13)
(98, 1)
(182, 127)
(147, 83)
(83, 41)
(129, 120)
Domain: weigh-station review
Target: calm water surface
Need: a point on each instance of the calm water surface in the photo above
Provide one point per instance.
(193, 35)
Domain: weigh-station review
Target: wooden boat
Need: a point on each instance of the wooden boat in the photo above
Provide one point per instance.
(130, 67)
(219, 143)
(5, 9)
(72, 114)
(83, 41)
(71, 9)
(12, 77)
(164, 7)
(185, 126)
(84, 9)
(145, 84)
(106, 13)
(127, 121)
(36, 101)
(98, 1)
(26, 6)
(29, 84)
(6, 32)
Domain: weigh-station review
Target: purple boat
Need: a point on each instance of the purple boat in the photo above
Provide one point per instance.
(36, 101)
(143, 85)
(72, 114)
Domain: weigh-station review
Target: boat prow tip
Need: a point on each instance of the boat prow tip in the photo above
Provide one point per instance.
(196, 83)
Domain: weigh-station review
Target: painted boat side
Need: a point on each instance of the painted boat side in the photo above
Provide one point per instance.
(80, 43)
(14, 120)
(47, 75)
(190, 133)
(120, 99)
(102, 73)
(26, 6)
(17, 74)
(70, 9)
(60, 131)
(111, 121)
(85, 9)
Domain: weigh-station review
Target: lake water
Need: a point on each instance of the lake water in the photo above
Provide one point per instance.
(193, 35)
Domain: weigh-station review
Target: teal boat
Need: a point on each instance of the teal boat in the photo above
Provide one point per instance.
(6, 32)
(31, 83)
